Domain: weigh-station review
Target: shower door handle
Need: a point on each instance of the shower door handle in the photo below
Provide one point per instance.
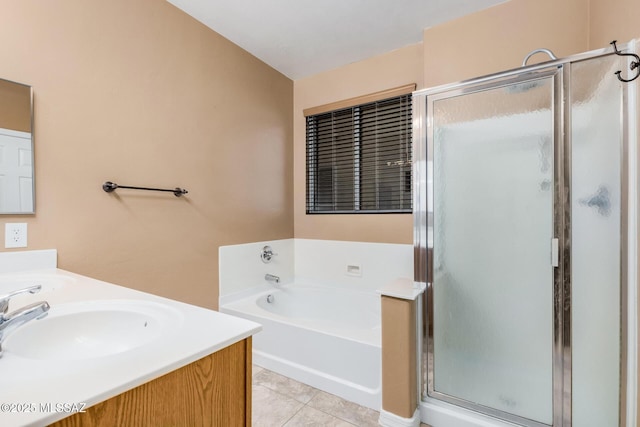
(555, 252)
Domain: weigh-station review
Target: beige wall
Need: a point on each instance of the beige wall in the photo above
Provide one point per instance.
(499, 38)
(139, 93)
(382, 72)
(613, 20)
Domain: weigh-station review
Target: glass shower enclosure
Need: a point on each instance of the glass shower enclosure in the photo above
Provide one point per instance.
(521, 216)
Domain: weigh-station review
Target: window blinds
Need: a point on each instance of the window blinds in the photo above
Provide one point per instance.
(359, 158)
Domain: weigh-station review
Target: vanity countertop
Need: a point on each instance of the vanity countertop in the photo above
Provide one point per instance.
(39, 391)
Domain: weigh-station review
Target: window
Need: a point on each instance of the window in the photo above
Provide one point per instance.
(359, 158)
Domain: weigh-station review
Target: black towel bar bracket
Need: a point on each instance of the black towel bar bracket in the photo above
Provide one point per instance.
(111, 186)
(635, 65)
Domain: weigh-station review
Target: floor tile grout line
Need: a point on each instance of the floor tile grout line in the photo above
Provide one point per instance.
(348, 402)
(283, 395)
(333, 415)
(315, 390)
(291, 417)
(288, 396)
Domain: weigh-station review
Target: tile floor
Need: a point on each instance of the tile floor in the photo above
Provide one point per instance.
(279, 401)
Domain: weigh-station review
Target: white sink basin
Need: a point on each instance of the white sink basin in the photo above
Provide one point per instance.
(92, 329)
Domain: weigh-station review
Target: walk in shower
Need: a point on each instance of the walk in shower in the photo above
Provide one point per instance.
(523, 212)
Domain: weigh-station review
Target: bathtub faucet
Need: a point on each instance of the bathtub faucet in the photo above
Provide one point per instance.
(272, 279)
(267, 254)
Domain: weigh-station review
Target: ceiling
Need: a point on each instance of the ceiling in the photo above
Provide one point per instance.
(300, 38)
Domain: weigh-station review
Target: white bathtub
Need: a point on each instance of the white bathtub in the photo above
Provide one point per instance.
(327, 337)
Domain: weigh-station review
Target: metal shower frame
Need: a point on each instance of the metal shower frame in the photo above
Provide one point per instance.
(423, 120)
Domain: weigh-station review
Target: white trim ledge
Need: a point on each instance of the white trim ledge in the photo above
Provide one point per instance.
(437, 413)
(389, 419)
(402, 288)
(13, 262)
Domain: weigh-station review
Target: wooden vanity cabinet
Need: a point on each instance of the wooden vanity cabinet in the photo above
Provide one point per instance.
(212, 391)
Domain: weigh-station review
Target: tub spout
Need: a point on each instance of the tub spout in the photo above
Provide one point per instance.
(273, 279)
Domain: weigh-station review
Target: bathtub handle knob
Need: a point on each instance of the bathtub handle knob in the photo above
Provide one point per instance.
(266, 254)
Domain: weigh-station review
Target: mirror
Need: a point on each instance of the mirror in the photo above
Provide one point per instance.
(16, 148)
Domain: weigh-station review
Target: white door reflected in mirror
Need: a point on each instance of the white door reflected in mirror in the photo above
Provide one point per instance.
(16, 172)
(16, 148)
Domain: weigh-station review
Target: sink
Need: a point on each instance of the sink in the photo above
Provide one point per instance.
(93, 329)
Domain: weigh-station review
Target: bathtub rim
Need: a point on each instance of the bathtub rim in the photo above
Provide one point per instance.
(232, 308)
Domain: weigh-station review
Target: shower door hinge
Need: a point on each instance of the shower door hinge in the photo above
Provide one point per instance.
(555, 253)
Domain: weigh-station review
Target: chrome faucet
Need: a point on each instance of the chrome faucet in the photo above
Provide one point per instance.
(17, 318)
(273, 279)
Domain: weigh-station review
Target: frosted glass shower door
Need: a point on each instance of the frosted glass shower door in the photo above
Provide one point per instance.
(596, 207)
(493, 280)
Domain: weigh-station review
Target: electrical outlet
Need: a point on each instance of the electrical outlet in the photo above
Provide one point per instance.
(15, 235)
